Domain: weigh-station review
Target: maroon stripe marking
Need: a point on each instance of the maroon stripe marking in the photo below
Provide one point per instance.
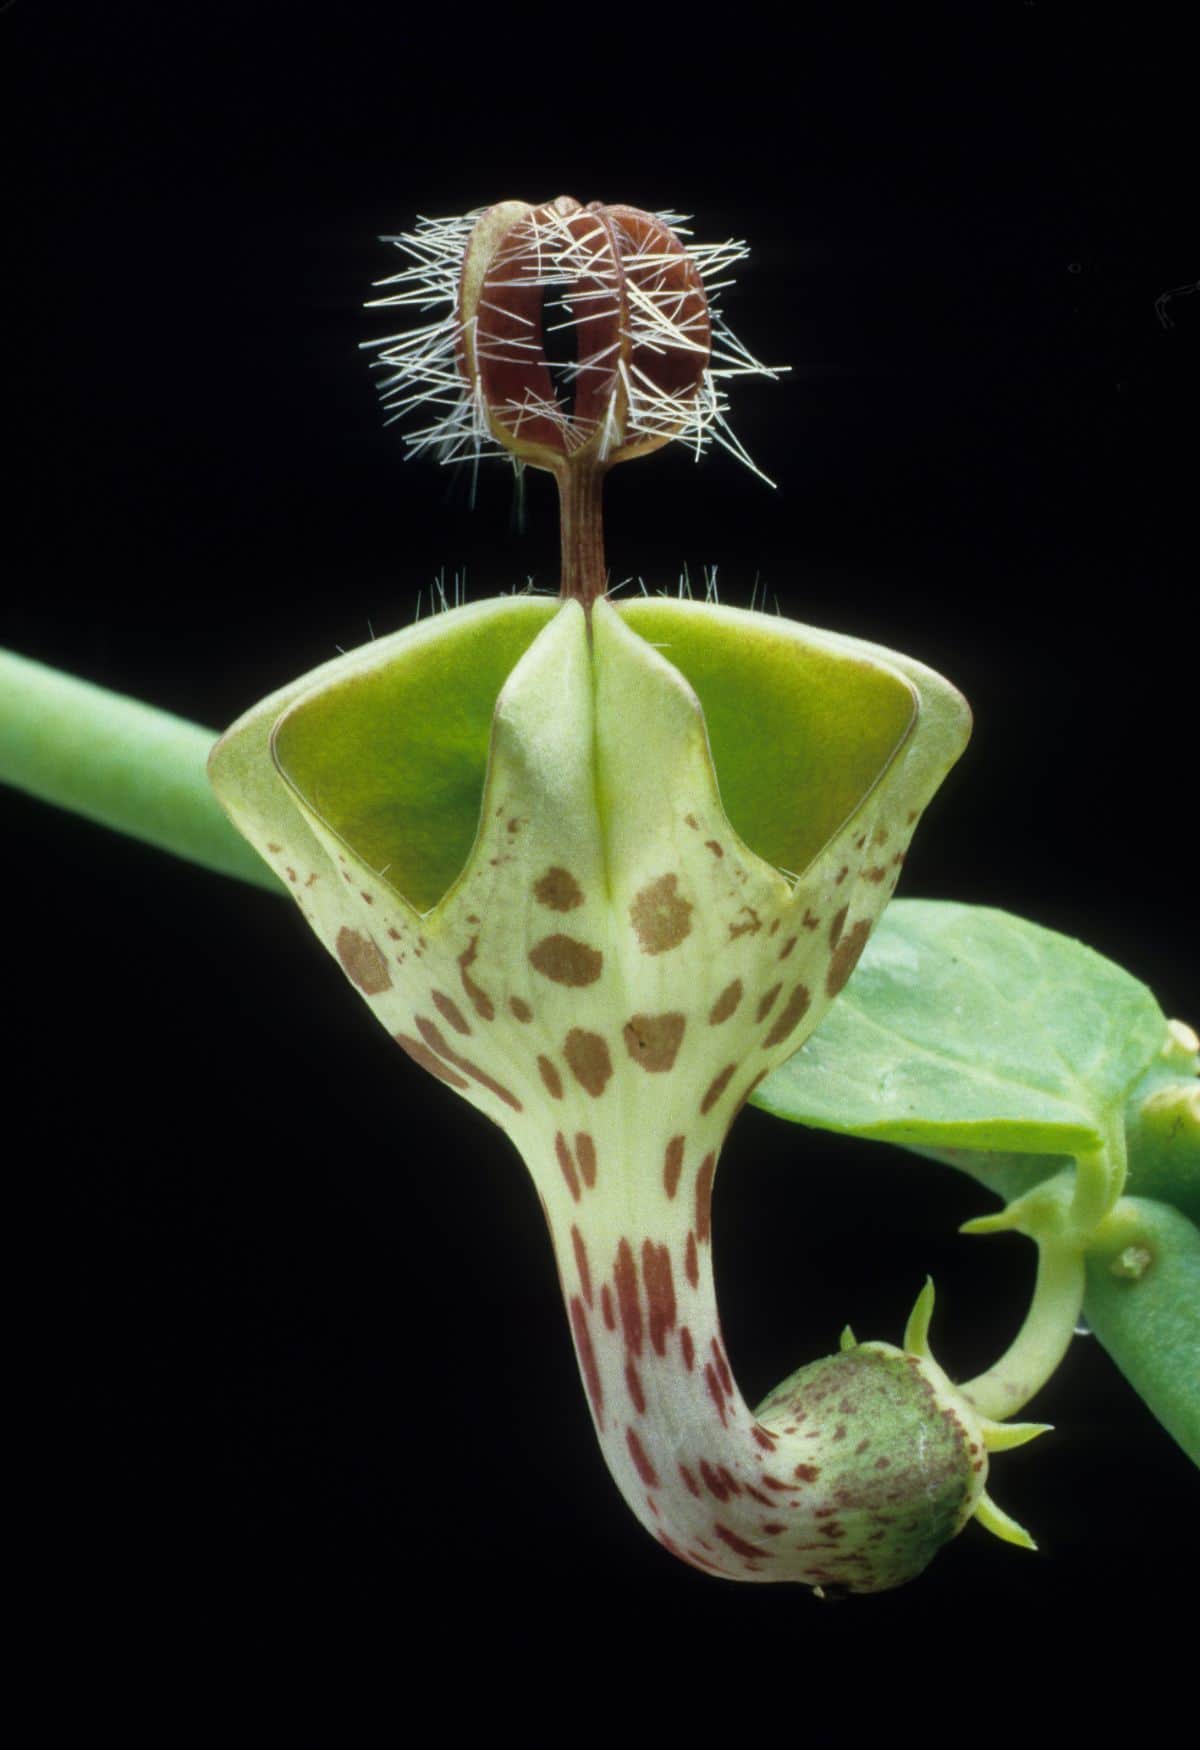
(688, 1348)
(428, 1060)
(585, 1154)
(716, 1088)
(645, 1469)
(625, 1277)
(449, 1011)
(726, 1003)
(714, 1391)
(789, 1017)
(660, 1293)
(673, 1165)
(581, 1264)
(704, 1179)
(480, 1001)
(765, 1440)
(723, 1372)
(606, 1307)
(433, 1037)
(690, 1482)
(633, 1384)
(551, 1078)
(738, 1545)
(566, 1163)
(714, 1481)
(691, 1262)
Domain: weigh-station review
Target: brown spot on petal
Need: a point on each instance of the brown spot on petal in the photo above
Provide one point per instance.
(750, 926)
(716, 848)
(449, 1011)
(433, 1038)
(653, 1041)
(566, 961)
(585, 1154)
(551, 1078)
(588, 1059)
(767, 1002)
(836, 925)
(566, 1164)
(558, 890)
(641, 1463)
(480, 1001)
(691, 1268)
(628, 1303)
(673, 1165)
(581, 1264)
(716, 1087)
(704, 1179)
(661, 917)
(429, 1060)
(846, 957)
(789, 1017)
(363, 962)
(726, 1003)
(520, 1009)
(660, 1293)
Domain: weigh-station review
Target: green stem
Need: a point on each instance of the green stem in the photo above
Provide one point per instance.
(1043, 1339)
(119, 762)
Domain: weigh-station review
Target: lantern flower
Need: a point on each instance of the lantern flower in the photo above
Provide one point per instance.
(600, 867)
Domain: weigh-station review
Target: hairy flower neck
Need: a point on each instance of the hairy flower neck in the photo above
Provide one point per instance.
(580, 482)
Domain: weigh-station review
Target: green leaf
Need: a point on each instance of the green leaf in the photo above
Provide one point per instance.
(1143, 1302)
(966, 1028)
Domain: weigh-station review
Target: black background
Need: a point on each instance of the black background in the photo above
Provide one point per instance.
(297, 1317)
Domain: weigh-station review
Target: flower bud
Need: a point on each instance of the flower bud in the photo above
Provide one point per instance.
(895, 1457)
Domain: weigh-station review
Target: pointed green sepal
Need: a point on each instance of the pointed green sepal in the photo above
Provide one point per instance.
(1000, 1223)
(1001, 1524)
(916, 1331)
(1005, 1436)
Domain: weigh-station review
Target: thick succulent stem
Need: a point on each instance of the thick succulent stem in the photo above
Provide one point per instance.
(120, 763)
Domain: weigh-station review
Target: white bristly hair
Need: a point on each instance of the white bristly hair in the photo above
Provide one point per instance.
(422, 373)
